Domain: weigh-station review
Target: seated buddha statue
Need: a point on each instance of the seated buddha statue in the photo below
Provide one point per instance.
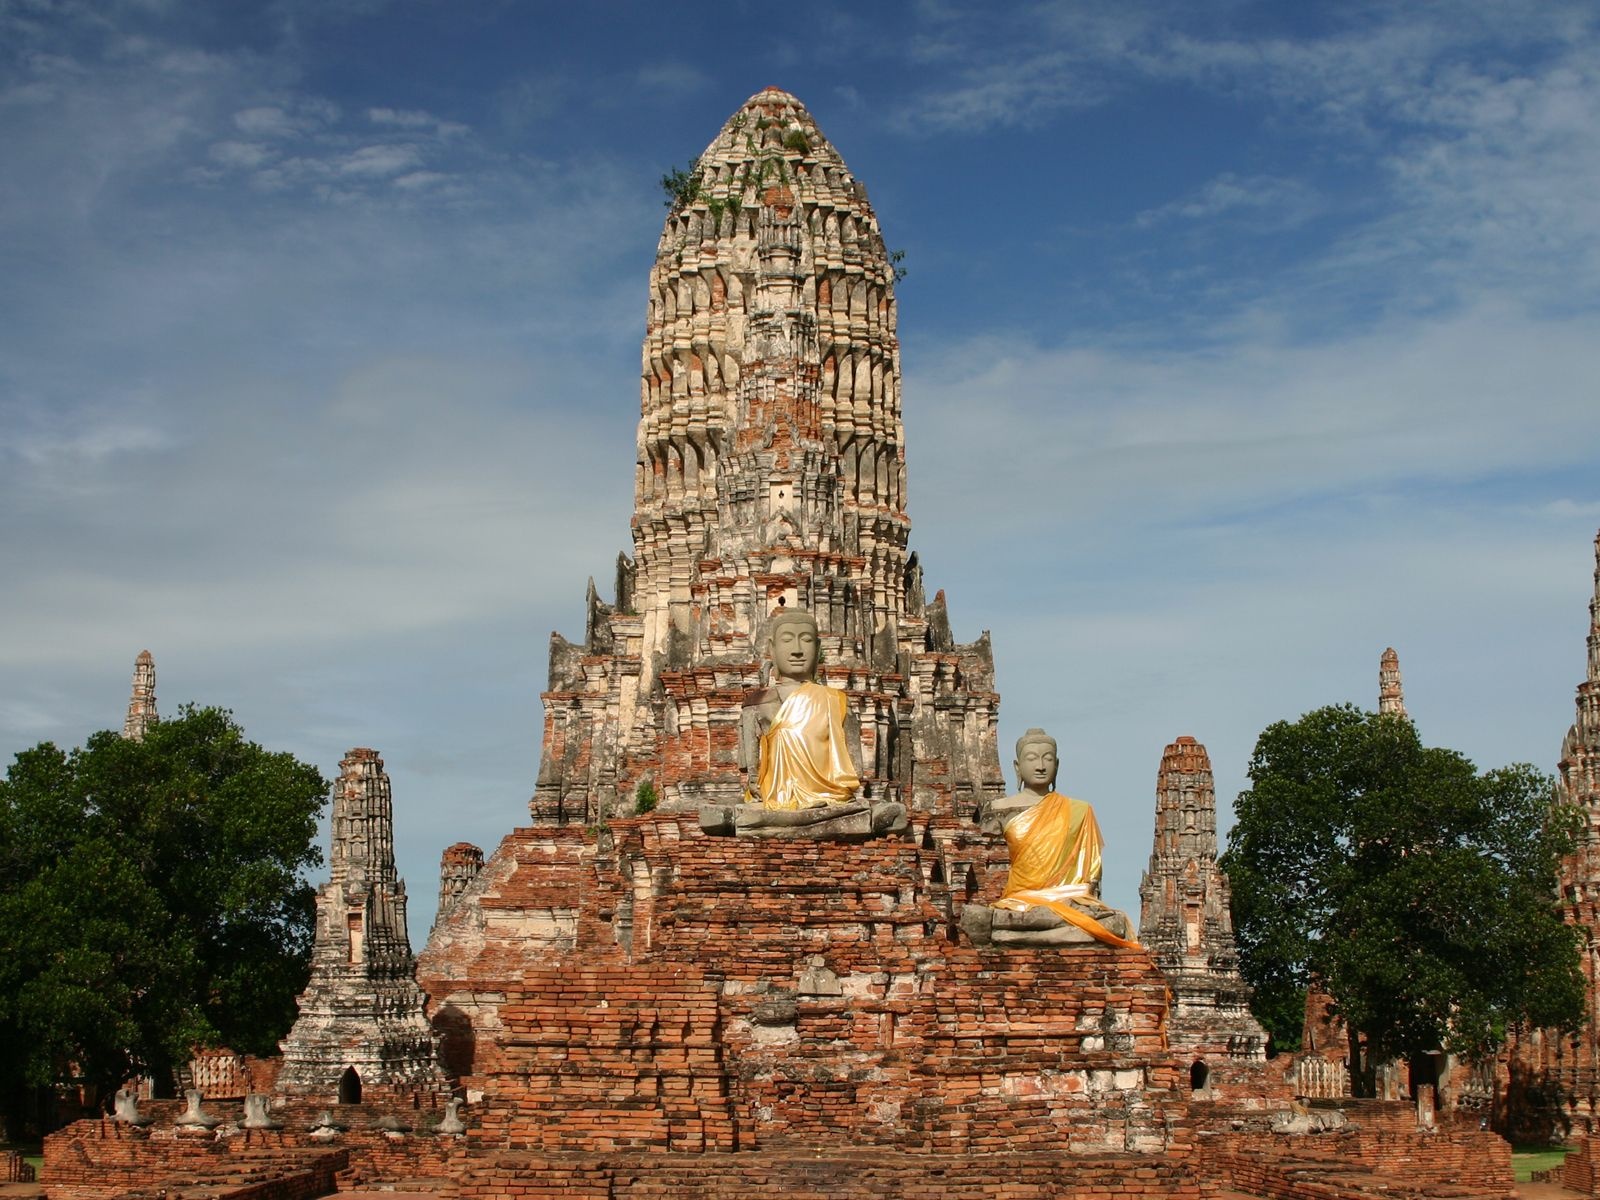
(797, 754)
(1052, 893)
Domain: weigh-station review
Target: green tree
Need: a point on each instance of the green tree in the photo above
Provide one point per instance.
(152, 898)
(1419, 892)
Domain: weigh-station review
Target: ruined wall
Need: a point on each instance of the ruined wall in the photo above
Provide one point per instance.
(656, 988)
(102, 1158)
(1381, 1152)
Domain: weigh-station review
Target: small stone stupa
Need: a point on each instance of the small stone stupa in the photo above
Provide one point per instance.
(361, 1030)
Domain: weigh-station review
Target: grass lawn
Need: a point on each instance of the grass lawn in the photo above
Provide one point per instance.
(1525, 1160)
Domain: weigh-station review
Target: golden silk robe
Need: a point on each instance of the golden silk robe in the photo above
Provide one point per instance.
(803, 757)
(1056, 864)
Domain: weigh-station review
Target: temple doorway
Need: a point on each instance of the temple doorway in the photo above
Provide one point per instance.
(350, 1087)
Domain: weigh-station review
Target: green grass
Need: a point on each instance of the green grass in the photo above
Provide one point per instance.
(1525, 1160)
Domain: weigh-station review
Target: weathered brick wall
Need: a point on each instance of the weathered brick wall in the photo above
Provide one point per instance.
(656, 988)
(1580, 1171)
(100, 1159)
(834, 1176)
(13, 1169)
(1381, 1150)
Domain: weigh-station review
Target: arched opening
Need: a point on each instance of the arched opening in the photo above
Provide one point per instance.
(350, 1087)
(1198, 1074)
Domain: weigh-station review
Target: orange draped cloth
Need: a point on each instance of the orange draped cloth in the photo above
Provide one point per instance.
(803, 757)
(1055, 863)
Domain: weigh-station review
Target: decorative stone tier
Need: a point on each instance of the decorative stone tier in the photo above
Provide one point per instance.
(653, 988)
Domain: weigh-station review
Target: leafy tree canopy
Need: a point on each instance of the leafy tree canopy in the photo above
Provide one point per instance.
(1421, 893)
(151, 898)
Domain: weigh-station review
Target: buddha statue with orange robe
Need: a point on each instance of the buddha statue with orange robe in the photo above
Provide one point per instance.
(798, 726)
(797, 753)
(1052, 893)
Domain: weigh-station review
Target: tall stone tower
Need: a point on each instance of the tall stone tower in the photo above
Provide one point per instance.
(1546, 1057)
(1186, 922)
(771, 472)
(1391, 697)
(361, 1026)
(142, 703)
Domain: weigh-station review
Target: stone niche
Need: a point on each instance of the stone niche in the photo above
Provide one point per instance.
(720, 994)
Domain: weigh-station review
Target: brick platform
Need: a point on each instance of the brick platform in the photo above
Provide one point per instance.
(659, 989)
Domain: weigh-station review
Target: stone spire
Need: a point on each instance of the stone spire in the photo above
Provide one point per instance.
(142, 703)
(1569, 1065)
(458, 867)
(1186, 923)
(1578, 774)
(1391, 698)
(361, 1023)
(770, 472)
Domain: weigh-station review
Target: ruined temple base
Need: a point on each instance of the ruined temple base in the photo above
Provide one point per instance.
(1380, 1155)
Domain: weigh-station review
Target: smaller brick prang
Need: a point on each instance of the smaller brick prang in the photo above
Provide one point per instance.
(1391, 696)
(142, 703)
(361, 1026)
(458, 867)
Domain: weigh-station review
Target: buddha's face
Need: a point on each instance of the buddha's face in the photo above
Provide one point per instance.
(1036, 765)
(794, 650)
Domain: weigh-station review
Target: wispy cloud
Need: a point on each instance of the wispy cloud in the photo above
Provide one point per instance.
(415, 119)
(672, 78)
(1251, 422)
(1279, 202)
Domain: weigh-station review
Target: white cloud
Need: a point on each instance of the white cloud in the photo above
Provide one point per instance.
(420, 179)
(415, 119)
(380, 160)
(266, 121)
(1289, 202)
(243, 156)
(673, 78)
(1252, 422)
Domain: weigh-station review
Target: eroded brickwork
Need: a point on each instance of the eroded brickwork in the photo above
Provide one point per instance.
(361, 1026)
(1381, 1152)
(458, 867)
(771, 471)
(1186, 923)
(653, 988)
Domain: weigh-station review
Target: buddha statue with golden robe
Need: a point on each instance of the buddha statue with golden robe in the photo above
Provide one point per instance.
(797, 752)
(1052, 892)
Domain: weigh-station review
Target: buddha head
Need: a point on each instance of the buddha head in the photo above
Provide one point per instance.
(1036, 761)
(792, 642)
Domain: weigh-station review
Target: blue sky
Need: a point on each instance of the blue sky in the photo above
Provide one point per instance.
(1239, 340)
